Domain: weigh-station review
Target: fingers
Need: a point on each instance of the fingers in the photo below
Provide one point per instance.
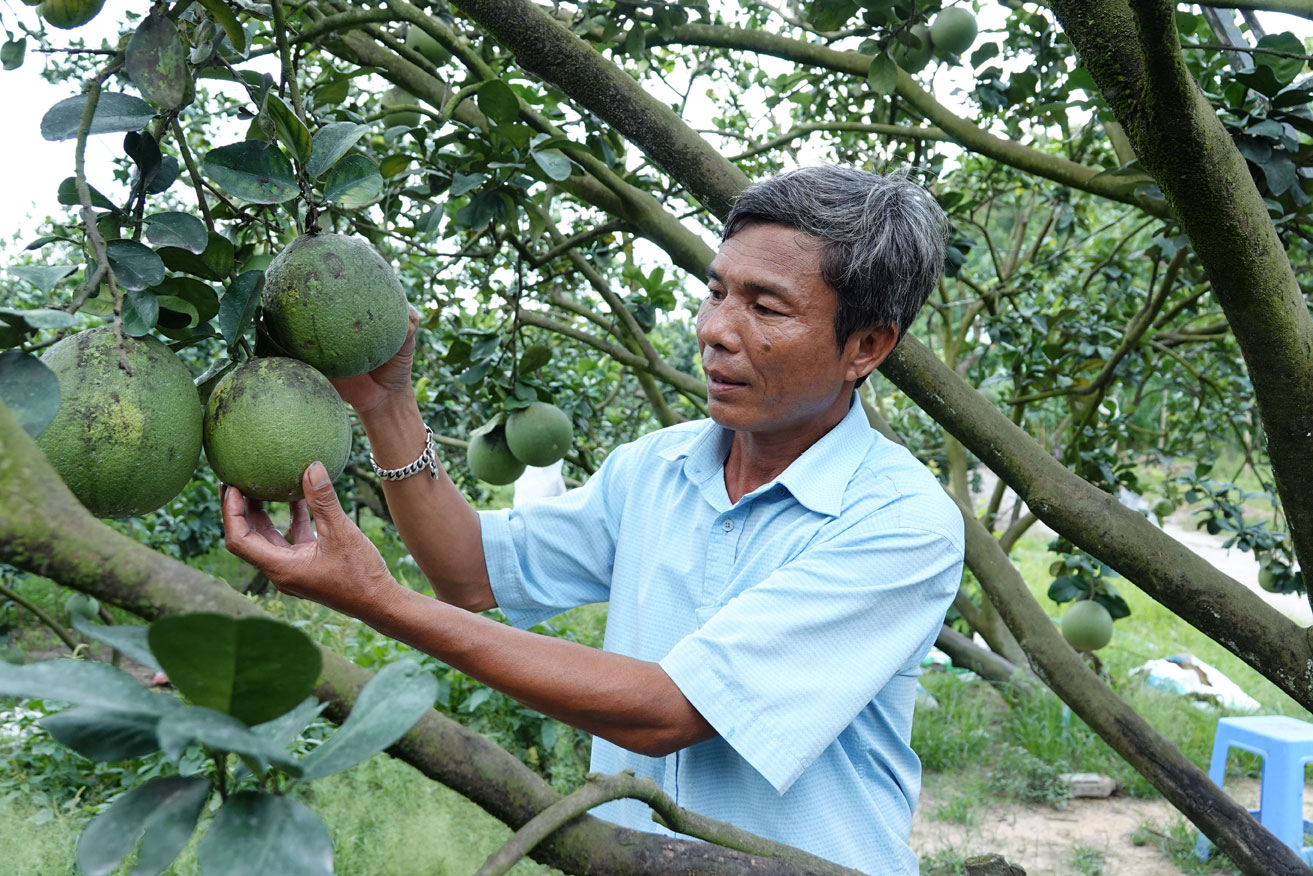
(261, 524)
(302, 530)
(322, 499)
(245, 542)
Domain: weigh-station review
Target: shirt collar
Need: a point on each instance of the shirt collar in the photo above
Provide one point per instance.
(817, 478)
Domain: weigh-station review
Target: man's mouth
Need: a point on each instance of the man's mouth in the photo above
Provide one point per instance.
(720, 381)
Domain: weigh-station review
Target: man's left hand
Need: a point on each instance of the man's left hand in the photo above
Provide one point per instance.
(328, 560)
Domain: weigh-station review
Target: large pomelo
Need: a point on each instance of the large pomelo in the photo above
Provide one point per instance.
(539, 434)
(68, 14)
(332, 301)
(266, 421)
(953, 30)
(1087, 625)
(125, 441)
(489, 458)
(913, 59)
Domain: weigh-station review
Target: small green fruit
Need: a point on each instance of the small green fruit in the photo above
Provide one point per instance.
(1267, 579)
(489, 458)
(539, 434)
(82, 605)
(266, 421)
(913, 59)
(1087, 625)
(13, 654)
(953, 30)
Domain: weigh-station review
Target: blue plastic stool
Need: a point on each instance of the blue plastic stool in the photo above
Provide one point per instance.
(1285, 744)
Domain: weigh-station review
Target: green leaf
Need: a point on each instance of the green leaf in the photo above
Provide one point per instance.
(12, 53)
(498, 102)
(156, 62)
(330, 143)
(136, 266)
(1284, 70)
(284, 729)
(256, 832)
(182, 230)
(252, 171)
(290, 129)
(353, 181)
(217, 731)
(553, 163)
(206, 382)
(252, 668)
(224, 17)
(68, 196)
(130, 640)
(83, 683)
(47, 239)
(462, 183)
(176, 313)
(29, 389)
(215, 263)
(238, 304)
(201, 297)
(165, 809)
(104, 734)
(882, 74)
(393, 165)
(140, 311)
(44, 277)
(392, 702)
(114, 112)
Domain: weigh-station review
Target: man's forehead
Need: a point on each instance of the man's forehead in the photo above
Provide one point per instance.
(768, 254)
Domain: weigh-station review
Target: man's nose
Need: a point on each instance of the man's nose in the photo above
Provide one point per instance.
(718, 324)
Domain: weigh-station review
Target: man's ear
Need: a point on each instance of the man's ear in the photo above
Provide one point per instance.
(867, 348)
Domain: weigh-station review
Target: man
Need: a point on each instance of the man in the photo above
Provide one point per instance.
(775, 574)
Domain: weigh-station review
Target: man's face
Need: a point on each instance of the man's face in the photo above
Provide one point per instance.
(766, 334)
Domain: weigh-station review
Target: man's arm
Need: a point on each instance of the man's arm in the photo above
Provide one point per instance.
(630, 702)
(432, 517)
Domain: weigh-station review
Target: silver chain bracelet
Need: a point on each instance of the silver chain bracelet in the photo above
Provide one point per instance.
(428, 459)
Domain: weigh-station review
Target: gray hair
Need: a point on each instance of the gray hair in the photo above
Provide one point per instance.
(882, 238)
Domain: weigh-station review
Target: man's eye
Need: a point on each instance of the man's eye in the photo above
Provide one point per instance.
(765, 311)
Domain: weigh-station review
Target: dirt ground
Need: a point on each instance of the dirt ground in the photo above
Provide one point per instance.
(1045, 841)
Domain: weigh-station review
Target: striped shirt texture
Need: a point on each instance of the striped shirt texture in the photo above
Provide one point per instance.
(794, 620)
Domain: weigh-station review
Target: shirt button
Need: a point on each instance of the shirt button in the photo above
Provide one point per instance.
(727, 525)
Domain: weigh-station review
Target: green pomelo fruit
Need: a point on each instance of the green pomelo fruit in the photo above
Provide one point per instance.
(913, 60)
(427, 46)
(267, 421)
(125, 443)
(396, 96)
(1163, 508)
(1267, 579)
(1087, 626)
(489, 458)
(82, 605)
(332, 301)
(13, 654)
(539, 434)
(68, 14)
(953, 30)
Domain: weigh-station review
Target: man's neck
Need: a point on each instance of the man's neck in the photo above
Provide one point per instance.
(756, 458)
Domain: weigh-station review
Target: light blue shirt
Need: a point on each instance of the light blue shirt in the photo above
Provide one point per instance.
(794, 620)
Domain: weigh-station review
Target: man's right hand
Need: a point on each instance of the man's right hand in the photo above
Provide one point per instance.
(389, 381)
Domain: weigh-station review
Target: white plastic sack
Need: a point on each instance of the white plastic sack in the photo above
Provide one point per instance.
(1188, 676)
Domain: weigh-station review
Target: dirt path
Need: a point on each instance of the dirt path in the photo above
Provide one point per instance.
(1049, 842)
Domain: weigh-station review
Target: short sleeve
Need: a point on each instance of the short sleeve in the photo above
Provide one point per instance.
(556, 553)
(787, 664)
